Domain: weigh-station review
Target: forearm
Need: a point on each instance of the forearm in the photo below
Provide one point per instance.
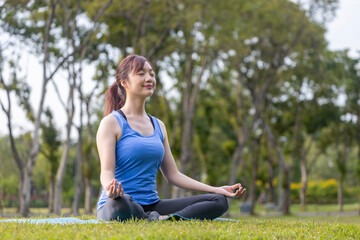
(106, 176)
(183, 181)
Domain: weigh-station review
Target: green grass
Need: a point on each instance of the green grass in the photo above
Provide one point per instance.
(247, 228)
(288, 227)
(325, 207)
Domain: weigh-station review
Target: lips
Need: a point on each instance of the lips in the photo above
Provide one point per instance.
(148, 86)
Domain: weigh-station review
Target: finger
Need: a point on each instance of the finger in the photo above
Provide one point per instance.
(119, 189)
(122, 192)
(111, 190)
(111, 184)
(109, 194)
(243, 192)
(235, 186)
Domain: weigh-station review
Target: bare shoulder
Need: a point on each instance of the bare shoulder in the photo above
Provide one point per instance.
(162, 126)
(108, 121)
(109, 126)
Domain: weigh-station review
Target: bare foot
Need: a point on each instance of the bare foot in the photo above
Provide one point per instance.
(163, 217)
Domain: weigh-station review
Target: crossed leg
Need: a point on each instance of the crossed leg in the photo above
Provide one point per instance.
(204, 206)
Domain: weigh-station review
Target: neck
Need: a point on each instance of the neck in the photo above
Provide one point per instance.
(134, 106)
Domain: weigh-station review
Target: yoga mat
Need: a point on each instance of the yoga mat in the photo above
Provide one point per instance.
(72, 220)
(64, 220)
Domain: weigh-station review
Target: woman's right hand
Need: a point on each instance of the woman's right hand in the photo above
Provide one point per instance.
(113, 189)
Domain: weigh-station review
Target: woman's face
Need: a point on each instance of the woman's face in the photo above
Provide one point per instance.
(142, 83)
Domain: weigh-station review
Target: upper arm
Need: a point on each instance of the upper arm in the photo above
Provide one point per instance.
(108, 133)
(168, 166)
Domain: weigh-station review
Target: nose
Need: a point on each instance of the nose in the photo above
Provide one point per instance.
(148, 77)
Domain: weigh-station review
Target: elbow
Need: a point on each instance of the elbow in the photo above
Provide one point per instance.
(172, 178)
(168, 179)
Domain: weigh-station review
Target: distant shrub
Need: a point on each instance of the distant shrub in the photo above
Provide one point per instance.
(324, 191)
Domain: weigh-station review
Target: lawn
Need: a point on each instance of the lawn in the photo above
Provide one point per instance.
(246, 228)
(296, 208)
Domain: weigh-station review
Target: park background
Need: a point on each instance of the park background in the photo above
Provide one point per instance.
(250, 92)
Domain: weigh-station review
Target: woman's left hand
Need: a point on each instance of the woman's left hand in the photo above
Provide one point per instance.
(228, 191)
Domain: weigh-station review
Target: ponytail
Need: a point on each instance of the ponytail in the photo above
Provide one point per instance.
(115, 98)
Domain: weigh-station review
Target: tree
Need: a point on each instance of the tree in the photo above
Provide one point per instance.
(50, 147)
(277, 40)
(26, 26)
(72, 35)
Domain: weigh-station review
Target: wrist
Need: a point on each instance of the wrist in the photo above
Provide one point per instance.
(216, 190)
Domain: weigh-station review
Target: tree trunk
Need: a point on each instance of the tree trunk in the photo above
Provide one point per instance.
(87, 159)
(304, 181)
(342, 170)
(284, 203)
(21, 187)
(287, 191)
(270, 181)
(26, 190)
(59, 178)
(243, 132)
(51, 193)
(342, 174)
(78, 172)
(357, 111)
(88, 196)
(340, 193)
(186, 125)
(69, 109)
(237, 159)
(189, 98)
(254, 171)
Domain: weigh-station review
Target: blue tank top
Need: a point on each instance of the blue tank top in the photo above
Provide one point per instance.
(137, 161)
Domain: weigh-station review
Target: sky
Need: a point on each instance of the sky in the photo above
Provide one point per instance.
(343, 32)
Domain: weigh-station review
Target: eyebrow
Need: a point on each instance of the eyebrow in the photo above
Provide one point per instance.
(143, 69)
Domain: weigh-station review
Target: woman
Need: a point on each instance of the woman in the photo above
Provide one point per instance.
(133, 145)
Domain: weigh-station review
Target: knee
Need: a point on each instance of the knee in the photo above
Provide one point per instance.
(120, 204)
(124, 198)
(118, 209)
(222, 202)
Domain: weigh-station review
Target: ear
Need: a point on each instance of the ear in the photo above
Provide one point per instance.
(123, 83)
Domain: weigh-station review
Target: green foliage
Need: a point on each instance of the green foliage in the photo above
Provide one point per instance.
(50, 142)
(324, 192)
(9, 181)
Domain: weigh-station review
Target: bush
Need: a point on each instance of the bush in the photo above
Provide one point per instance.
(324, 191)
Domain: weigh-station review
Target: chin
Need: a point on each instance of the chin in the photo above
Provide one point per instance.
(149, 94)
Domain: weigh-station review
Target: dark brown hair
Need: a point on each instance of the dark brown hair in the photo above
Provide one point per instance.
(115, 96)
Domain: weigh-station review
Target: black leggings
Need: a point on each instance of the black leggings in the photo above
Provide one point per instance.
(205, 206)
